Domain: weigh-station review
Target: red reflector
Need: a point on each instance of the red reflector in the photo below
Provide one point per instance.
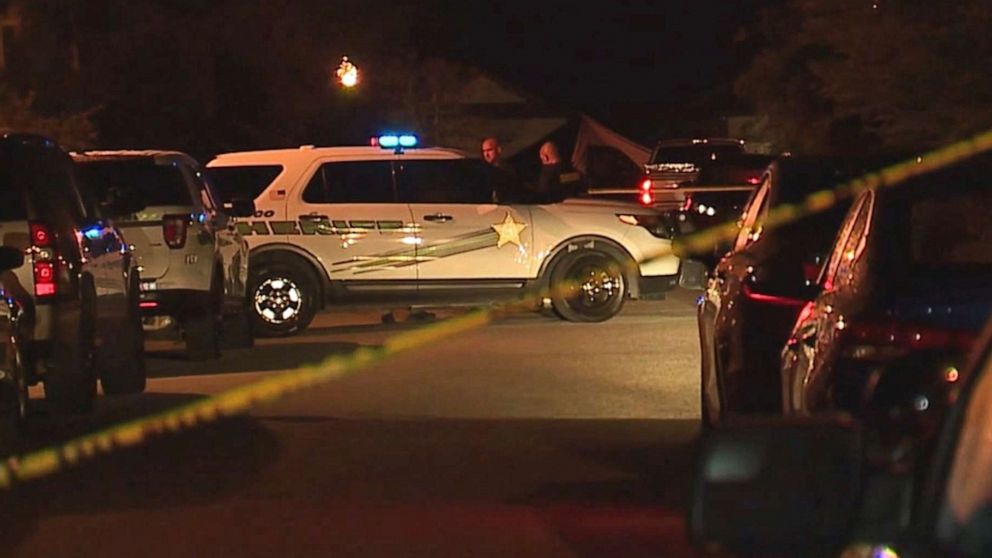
(148, 304)
(40, 235)
(772, 299)
(44, 289)
(754, 180)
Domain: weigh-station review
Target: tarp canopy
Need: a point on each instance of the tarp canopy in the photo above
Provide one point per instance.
(593, 133)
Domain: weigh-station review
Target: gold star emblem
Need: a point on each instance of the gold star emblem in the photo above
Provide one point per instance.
(509, 231)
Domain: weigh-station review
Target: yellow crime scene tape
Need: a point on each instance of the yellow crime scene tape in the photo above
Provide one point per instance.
(50, 460)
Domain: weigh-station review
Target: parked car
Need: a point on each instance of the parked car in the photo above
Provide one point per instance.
(804, 486)
(904, 294)
(758, 288)
(193, 260)
(13, 375)
(430, 226)
(78, 287)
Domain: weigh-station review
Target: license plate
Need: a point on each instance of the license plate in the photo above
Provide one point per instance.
(149, 285)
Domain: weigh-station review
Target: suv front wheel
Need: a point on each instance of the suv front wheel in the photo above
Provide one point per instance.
(282, 299)
(588, 285)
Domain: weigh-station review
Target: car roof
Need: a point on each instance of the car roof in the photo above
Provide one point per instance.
(159, 155)
(307, 153)
(688, 142)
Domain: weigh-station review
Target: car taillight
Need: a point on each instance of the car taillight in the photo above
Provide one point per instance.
(40, 235)
(174, 230)
(902, 335)
(754, 180)
(646, 196)
(44, 261)
(687, 204)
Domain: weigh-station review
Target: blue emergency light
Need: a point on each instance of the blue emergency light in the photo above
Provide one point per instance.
(394, 141)
(93, 232)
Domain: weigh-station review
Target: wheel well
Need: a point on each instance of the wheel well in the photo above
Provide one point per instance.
(292, 258)
(631, 271)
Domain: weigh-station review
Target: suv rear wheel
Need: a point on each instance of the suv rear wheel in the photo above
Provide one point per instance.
(121, 360)
(201, 332)
(70, 380)
(282, 298)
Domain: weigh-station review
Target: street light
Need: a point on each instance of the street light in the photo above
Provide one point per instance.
(347, 73)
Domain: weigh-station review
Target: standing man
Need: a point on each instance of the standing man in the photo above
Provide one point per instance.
(506, 185)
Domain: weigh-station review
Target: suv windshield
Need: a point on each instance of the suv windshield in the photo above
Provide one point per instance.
(157, 184)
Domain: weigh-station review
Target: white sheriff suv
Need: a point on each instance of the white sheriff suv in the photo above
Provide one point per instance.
(405, 225)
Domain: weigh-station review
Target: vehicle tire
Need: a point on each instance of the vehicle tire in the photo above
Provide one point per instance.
(121, 359)
(70, 381)
(13, 407)
(706, 419)
(588, 285)
(236, 332)
(282, 298)
(201, 332)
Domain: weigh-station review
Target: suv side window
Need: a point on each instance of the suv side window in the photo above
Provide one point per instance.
(445, 181)
(351, 182)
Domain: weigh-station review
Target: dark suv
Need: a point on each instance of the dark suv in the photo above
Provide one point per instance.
(78, 287)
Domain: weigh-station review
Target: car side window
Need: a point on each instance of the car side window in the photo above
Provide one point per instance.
(750, 227)
(965, 521)
(850, 242)
(462, 181)
(351, 182)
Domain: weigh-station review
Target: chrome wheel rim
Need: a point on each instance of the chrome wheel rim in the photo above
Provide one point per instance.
(594, 286)
(278, 300)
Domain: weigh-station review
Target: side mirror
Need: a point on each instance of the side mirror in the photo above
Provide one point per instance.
(240, 207)
(10, 258)
(778, 486)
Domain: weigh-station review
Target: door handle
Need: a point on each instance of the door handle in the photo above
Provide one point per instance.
(313, 217)
(438, 218)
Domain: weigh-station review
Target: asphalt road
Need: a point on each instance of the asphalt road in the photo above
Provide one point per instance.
(528, 437)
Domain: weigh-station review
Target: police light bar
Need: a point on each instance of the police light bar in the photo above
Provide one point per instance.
(393, 141)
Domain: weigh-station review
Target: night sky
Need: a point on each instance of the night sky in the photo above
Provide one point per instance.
(620, 61)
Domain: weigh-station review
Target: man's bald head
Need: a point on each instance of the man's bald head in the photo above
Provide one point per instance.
(549, 153)
(491, 151)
